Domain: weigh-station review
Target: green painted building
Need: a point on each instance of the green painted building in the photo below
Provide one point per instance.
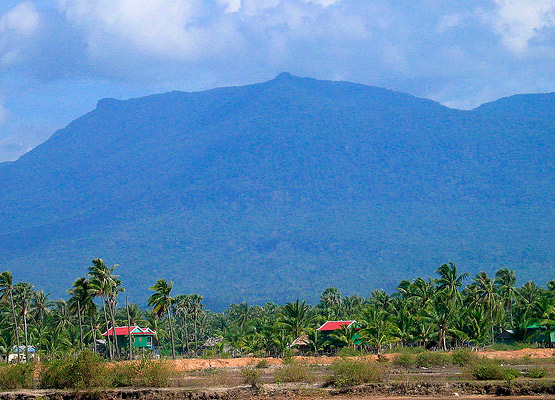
(142, 338)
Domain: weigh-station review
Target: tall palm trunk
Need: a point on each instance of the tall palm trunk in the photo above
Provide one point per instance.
(26, 336)
(112, 316)
(80, 324)
(107, 330)
(93, 336)
(129, 328)
(171, 333)
(16, 327)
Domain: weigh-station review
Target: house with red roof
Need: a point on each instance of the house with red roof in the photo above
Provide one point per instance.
(142, 338)
(331, 327)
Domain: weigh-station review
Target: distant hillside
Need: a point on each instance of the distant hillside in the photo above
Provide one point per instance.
(280, 189)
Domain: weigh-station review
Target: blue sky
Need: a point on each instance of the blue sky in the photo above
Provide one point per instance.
(59, 57)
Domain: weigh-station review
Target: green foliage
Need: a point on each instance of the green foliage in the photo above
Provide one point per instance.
(536, 372)
(142, 373)
(17, 376)
(405, 360)
(432, 359)
(352, 372)
(251, 376)
(75, 371)
(462, 357)
(486, 369)
(294, 372)
(262, 364)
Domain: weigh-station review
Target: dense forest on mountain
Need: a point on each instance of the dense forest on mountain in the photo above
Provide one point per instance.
(452, 310)
(278, 190)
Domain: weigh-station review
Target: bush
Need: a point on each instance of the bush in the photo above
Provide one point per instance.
(432, 359)
(251, 376)
(142, 373)
(262, 364)
(76, 371)
(355, 372)
(293, 372)
(536, 372)
(17, 376)
(405, 360)
(485, 370)
(463, 357)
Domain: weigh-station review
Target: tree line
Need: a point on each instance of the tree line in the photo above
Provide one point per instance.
(441, 310)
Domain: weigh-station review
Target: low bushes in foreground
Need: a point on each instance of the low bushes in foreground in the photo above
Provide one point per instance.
(294, 372)
(432, 359)
(486, 370)
(17, 376)
(142, 373)
(252, 376)
(352, 372)
(75, 371)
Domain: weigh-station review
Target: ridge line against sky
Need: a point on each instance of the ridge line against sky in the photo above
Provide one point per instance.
(59, 57)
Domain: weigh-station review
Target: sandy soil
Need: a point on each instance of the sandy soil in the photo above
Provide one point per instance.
(195, 364)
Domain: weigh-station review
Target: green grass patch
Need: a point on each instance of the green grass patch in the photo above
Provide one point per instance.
(294, 372)
(429, 359)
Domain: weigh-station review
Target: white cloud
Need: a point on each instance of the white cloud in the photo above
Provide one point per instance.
(17, 28)
(519, 21)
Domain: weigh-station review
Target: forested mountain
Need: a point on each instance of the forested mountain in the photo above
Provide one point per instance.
(278, 190)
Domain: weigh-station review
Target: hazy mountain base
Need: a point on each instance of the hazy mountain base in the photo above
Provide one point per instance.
(278, 190)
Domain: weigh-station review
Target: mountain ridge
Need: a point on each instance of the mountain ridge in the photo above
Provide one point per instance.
(277, 189)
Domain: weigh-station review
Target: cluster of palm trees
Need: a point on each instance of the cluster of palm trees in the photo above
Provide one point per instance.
(419, 312)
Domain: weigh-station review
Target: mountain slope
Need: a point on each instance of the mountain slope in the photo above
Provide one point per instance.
(280, 189)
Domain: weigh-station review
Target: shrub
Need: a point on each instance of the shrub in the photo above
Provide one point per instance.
(432, 359)
(355, 372)
(251, 376)
(405, 360)
(17, 376)
(142, 373)
(485, 369)
(293, 372)
(262, 364)
(536, 372)
(463, 357)
(76, 371)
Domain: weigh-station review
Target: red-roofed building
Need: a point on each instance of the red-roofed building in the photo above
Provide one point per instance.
(335, 325)
(141, 337)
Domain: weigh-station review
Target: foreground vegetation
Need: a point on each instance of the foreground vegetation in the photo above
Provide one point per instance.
(419, 313)
(461, 369)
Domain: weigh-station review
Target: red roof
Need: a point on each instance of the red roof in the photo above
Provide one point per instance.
(124, 330)
(335, 325)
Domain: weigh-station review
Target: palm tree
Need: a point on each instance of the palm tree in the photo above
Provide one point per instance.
(82, 301)
(330, 300)
(23, 294)
(505, 279)
(105, 285)
(161, 302)
(378, 328)
(294, 317)
(486, 296)
(6, 292)
(450, 281)
(195, 310)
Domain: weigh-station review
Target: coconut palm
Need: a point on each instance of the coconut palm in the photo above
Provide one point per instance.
(294, 317)
(6, 294)
(505, 280)
(487, 296)
(161, 303)
(23, 294)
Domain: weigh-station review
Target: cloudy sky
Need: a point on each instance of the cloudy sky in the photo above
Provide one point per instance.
(59, 57)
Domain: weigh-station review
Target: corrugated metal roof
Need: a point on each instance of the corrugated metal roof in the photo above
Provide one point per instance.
(124, 330)
(335, 325)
